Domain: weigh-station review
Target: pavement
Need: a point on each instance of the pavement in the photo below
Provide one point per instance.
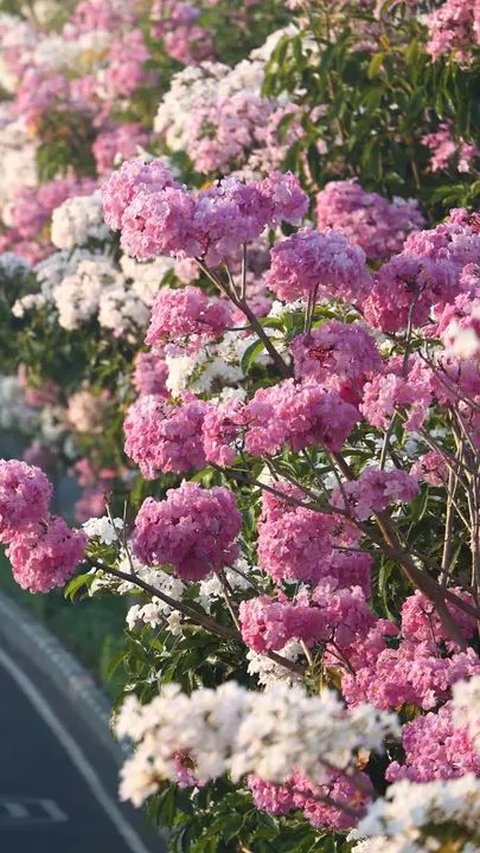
(58, 775)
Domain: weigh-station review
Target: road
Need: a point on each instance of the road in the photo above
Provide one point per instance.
(57, 783)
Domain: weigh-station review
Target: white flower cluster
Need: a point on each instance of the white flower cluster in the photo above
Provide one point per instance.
(146, 276)
(82, 284)
(105, 529)
(18, 158)
(210, 82)
(78, 220)
(236, 731)
(268, 672)
(62, 54)
(211, 588)
(404, 820)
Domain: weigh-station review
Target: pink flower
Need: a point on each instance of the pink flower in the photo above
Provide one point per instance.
(222, 432)
(368, 220)
(193, 530)
(296, 543)
(407, 387)
(338, 355)
(374, 491)
(296, 415)
(430, 468)
(160, 436)
(311, 263)
(187, 313)
(339, 616)
(421, 622)
(46, 554)
(25, 494)
(413, 674)
(150, 374)
(123, 141)
(133, 177)
(434, 749)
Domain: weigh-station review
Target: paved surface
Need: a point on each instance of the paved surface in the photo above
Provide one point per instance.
(58, 784)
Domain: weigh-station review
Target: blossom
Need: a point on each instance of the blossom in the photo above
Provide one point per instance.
(413, 674)
(161, 436)
(410, 812)
(338, 355)
(339, 616)
(187, 313)
(106, 529)
(150, 374)
(420, 620)
(221, 430)
(45, 555)
(320, 265)
(435, 749)
(374, 491)
(403, 386)
(297, 415)
(194, 530)
(133, 177)
(297, 543)
(77, 220)
(25, 494)
(368, 220)
(232, 730)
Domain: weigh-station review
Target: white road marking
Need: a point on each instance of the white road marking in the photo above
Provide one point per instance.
(16, 810)
(132, 840)
(54, 811)
(24, 810)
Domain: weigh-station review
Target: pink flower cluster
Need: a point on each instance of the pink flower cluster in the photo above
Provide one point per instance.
(368, 220)
(317, 265)
(297, 543)
(454, 27)
(25, 494)
(412, 674)
(45, 554)
(339, 356)
(187, 315)
(158, 217)
(176, 22)
(435, 749)
(321, 804)
(374, 491)
(160, 436)
(297, 415)
(446, 151)
(193, 530)
(403, 387)
(122, 141)
(150, 374)
(338, 616)
(42, 549)
(433, 268)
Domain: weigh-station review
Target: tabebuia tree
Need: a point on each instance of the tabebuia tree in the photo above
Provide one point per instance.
(269, 294)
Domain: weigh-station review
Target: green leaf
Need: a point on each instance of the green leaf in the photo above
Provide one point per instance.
(251, 355)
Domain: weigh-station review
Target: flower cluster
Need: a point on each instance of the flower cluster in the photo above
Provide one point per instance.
(239, 731)
(193, 529)
(42, 549)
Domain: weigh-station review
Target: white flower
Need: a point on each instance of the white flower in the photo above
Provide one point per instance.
(78, 220)
(105, 529)
(237, 731)
(408, 813)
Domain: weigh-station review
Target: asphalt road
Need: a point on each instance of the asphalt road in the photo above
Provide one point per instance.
(58, 784)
